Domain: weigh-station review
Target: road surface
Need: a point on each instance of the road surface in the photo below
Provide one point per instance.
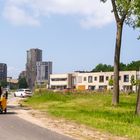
(14, 128)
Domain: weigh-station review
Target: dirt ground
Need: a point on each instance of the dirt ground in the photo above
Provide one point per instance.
(71, 129)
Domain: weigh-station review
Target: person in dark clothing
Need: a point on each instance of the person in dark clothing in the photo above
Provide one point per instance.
(6, 94)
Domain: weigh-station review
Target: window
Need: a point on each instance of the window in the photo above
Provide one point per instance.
(91, 87)
(59, 79)
(101, 78)
(79, 79)
(85, 78)
(107, 78)
(126, 78)
(95, 78)
(90, 79)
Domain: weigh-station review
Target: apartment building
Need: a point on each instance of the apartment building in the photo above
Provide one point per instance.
(3, 72)
(44, 69)
(100, 80)
(92, 81)
(33, 56)
(61, 81)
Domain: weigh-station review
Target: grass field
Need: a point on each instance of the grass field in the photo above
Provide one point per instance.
(92, 109)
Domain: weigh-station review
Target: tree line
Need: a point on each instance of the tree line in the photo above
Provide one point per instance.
(134, 65)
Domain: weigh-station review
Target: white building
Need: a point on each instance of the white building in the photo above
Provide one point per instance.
(60, 81)
(92, 81)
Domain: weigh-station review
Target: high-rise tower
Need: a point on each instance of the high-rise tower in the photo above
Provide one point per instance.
(3, 72)
(33, 56)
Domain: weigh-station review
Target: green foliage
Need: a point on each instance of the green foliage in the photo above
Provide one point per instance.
(136, 12)
(137, 82)
(134, 65)
(123, 67)
(133, 81)
(93, 110)
(3, 83)
(111, 81)
(123, 7)
(102, 67)
(127, 10)
(22, 83)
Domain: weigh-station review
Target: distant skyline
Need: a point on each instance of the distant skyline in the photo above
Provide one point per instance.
(74, 35)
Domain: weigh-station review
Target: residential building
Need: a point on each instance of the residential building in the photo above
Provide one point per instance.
(44, 69)
(60, 81)
(92, 81)
(100, 80)
(3, 72)
(12, 83)
(33, 56)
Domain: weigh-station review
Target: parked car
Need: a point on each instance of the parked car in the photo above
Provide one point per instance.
(23, 93)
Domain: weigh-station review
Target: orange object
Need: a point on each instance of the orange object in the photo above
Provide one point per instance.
(81, 87)
(3, 105)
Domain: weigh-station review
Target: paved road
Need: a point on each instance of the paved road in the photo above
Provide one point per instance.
(14, 128)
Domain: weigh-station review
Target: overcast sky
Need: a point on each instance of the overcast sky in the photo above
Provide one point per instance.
(74, 34)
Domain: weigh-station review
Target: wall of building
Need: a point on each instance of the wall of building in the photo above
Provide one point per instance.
(3, 72)
(100, 80)
(60, 81)
(33, 55)
(44, 69)
(93, 81)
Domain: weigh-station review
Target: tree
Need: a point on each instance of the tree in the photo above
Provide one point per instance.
(111, 83)
(134, 65)
(22, 83)
(3, 83)
(136, 13)
(123, 11)
(133, 81)
(123, 67)
(102, 67)
(137, 111)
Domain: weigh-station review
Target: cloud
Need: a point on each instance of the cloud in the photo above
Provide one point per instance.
(19, 16)
(92, 13)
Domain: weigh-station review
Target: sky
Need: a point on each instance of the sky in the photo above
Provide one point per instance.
(73, 34)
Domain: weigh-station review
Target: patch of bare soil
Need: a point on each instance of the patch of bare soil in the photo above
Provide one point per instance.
(71, 129)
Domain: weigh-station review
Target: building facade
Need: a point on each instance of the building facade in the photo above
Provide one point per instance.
(12, 83)
(100, 80)
(3, 72)
(33, 56)
(92, 81)
(44, 69)
(61, 81)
